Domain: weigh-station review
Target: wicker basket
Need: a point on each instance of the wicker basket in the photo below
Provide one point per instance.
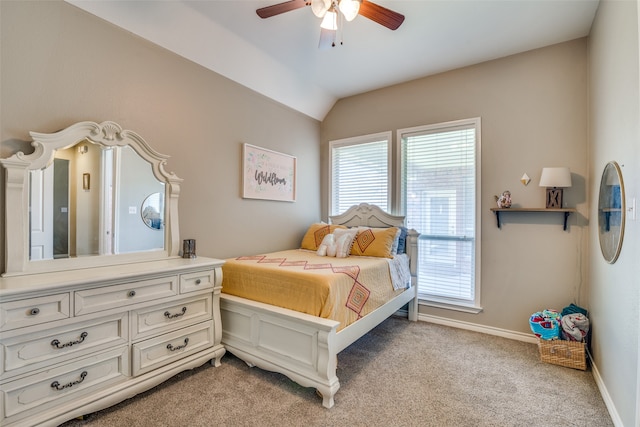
(571, 354)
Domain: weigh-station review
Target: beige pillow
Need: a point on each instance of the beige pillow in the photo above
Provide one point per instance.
(315, 233)
(377, 242)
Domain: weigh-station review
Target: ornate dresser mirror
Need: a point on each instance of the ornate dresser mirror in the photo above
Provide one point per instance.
(611, 212)
(89, 195)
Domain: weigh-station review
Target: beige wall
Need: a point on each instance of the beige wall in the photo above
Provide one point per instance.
(61, 65)
(533, 108)
(615, 135)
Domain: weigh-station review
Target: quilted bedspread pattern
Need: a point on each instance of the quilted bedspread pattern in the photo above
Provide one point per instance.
(341, 289)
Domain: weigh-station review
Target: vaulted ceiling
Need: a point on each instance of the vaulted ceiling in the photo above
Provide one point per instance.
(279, 56)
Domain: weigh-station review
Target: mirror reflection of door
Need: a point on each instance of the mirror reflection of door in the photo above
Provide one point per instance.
(107, 197)
(60, 208)
(41, 214)
(49, 219)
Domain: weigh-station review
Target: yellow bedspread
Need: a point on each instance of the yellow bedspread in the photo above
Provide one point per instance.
(341, 289)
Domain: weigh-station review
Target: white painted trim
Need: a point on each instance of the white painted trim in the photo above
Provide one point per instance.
(476, 123)
(608, 401)
(451, 306)
(514, 335)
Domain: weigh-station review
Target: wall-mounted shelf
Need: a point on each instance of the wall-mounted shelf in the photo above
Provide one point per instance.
(608, 213)
(566, 212)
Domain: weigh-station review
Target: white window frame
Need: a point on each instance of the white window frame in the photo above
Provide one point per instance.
(357, 140)
(442, 302)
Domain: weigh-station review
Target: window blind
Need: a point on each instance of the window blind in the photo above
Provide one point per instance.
(359, 174)
(438, 194)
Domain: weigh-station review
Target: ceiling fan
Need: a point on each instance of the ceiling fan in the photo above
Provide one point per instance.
(328, 10)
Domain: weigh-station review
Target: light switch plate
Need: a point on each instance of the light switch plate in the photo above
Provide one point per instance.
(132, 209)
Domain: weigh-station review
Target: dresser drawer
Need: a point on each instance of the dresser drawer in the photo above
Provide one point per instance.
(167, 317)
(40, 349)
(98, 299)
(153, 353)
(64, 383)
(33, 311)
(197, 281)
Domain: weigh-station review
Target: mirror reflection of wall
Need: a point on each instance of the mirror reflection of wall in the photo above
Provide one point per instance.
(85, 208)
(136, 182)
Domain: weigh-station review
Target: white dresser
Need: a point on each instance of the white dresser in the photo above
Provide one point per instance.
(74, 342)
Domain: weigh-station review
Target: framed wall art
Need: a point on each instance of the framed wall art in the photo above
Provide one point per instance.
(267, 174)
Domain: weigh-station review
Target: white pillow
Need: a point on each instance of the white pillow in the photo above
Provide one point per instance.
(344, 241)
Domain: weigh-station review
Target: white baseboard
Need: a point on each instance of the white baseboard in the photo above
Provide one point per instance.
(519, 336)
(615, 417)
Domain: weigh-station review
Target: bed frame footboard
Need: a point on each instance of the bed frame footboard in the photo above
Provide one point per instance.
(300, 346)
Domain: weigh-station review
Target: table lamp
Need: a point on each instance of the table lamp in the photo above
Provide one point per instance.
(555, 179)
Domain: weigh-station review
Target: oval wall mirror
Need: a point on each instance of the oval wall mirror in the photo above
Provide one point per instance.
(611, 212)
(152, 211)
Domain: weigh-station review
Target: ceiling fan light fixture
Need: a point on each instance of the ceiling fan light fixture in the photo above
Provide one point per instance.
(320, 7)
(349, 9)
(330, 21)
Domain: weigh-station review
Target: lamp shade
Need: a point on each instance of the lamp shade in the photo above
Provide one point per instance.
(555, 177)
(329, 22)
(349, 9)
(320, 7)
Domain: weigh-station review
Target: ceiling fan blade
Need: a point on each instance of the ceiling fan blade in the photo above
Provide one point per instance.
(383, 16)
(277, 9)
(327, 38)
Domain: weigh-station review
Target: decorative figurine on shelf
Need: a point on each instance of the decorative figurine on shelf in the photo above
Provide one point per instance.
(504, 201)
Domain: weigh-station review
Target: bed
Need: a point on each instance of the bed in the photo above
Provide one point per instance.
(303, 346)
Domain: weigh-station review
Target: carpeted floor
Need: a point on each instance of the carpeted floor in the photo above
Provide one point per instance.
(400, 374)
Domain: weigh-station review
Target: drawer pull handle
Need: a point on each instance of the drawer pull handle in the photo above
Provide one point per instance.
(56, 343)
(172, 348)
(131, 294)
(59, 386)
(198, 281)
(173, 316)
(34, 311)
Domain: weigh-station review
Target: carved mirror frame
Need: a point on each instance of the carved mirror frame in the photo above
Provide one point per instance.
(17, 169)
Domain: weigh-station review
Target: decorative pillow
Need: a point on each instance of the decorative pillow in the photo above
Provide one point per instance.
(316, 232)
(328, 246)
(402, 240)
(396, 241)
(376, 242)
(344, 241)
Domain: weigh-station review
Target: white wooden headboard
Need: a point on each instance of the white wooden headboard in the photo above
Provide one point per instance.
(367, 215)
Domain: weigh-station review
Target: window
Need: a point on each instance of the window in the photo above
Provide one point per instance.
(438, 191)
(360, 170)
(439, 182)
